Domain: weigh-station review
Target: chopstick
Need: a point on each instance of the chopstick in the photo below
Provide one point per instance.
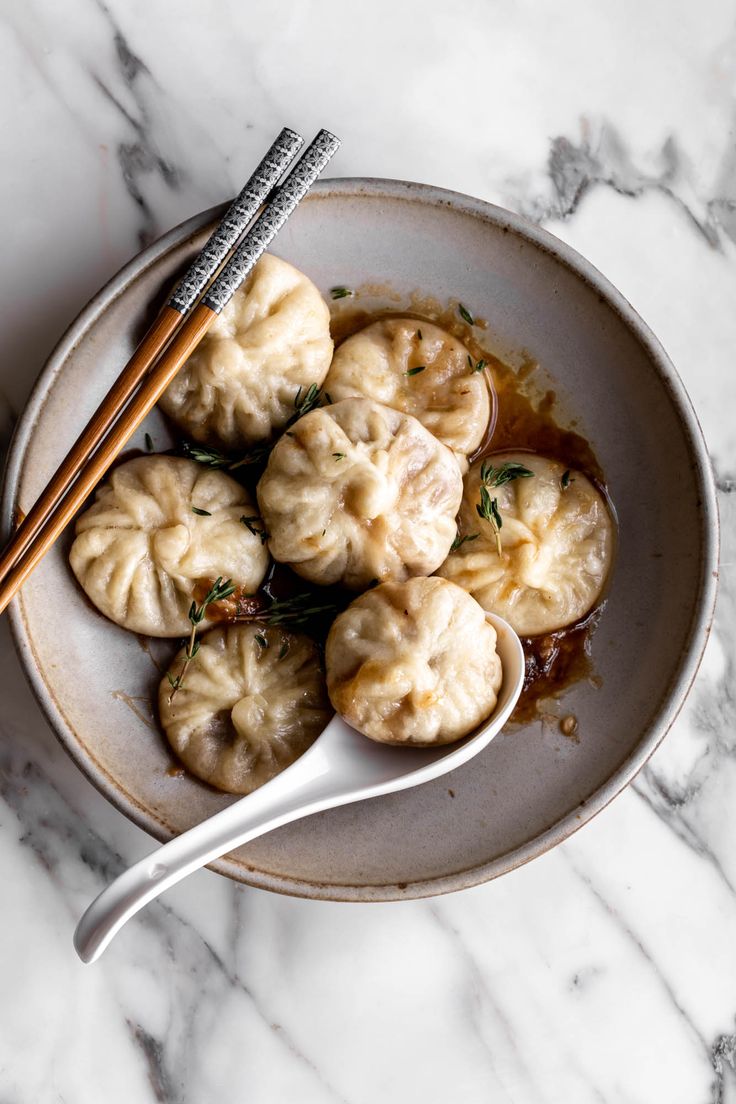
(204, 267)
(186, 338)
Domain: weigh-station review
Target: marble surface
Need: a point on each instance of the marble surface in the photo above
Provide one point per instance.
(605, 971)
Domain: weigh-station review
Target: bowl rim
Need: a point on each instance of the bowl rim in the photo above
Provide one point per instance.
(675, 693)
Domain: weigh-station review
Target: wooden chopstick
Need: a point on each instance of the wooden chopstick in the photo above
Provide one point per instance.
(204, 267)
(185, 340)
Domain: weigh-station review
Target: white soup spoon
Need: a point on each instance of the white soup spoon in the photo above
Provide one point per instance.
(341, 766)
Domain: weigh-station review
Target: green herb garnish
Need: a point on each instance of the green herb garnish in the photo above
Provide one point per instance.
(478, 366)
(149, 442)
(202, 513)
(211, 458)
(255, 526)
(419, 334)
(256, 455)
(306, 402)
(488, 510)
(465, 314)
(504, 473)
(284, 650)
(217, 593)
(565, 480)
(497, 477)
(339, 455)
(295, 610)
(415, 371)
(340, 293)
(458, 541)
(260, 640)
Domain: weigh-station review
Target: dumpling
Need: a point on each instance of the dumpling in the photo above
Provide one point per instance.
(240, 383)
(557, 541)
(252, 702)
(413, 663)
(160, 531)
(357, 492)
(421, 370)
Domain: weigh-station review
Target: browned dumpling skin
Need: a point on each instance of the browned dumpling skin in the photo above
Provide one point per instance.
(413, 663)
(420, 369)
(357, 492)
(253, 700)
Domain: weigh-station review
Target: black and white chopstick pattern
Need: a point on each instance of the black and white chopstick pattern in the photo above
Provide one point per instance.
(236, 219)
(271, 219)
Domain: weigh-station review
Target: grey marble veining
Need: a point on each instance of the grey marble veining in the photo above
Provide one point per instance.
(605, 971)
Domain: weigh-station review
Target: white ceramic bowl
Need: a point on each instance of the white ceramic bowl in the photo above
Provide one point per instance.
(532, 787)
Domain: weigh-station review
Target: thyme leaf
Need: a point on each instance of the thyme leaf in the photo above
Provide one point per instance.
(296, 610)
(504, 473)
(465, 314)
(311, 398)
(341, 293)
(415, 371)
(487, 509)
(255, 525)
(458, 541)
(565, 479)
(497, 477)
(217, 593)
(202, 513)
(211, 458)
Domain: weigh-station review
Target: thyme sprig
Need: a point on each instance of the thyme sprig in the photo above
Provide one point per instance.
(197, 613)
(211, 458)
(459, 541)
(254, 524)
(488, 510)
(491, 477)
(256, 455)
(310, 399)
(296, 610)
(504, 473)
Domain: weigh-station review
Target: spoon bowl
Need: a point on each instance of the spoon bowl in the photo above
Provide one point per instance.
(340, 767)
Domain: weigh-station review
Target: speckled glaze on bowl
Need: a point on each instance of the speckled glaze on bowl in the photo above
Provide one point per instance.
(532, 787)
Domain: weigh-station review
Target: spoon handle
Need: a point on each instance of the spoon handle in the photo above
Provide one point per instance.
(307, 786)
